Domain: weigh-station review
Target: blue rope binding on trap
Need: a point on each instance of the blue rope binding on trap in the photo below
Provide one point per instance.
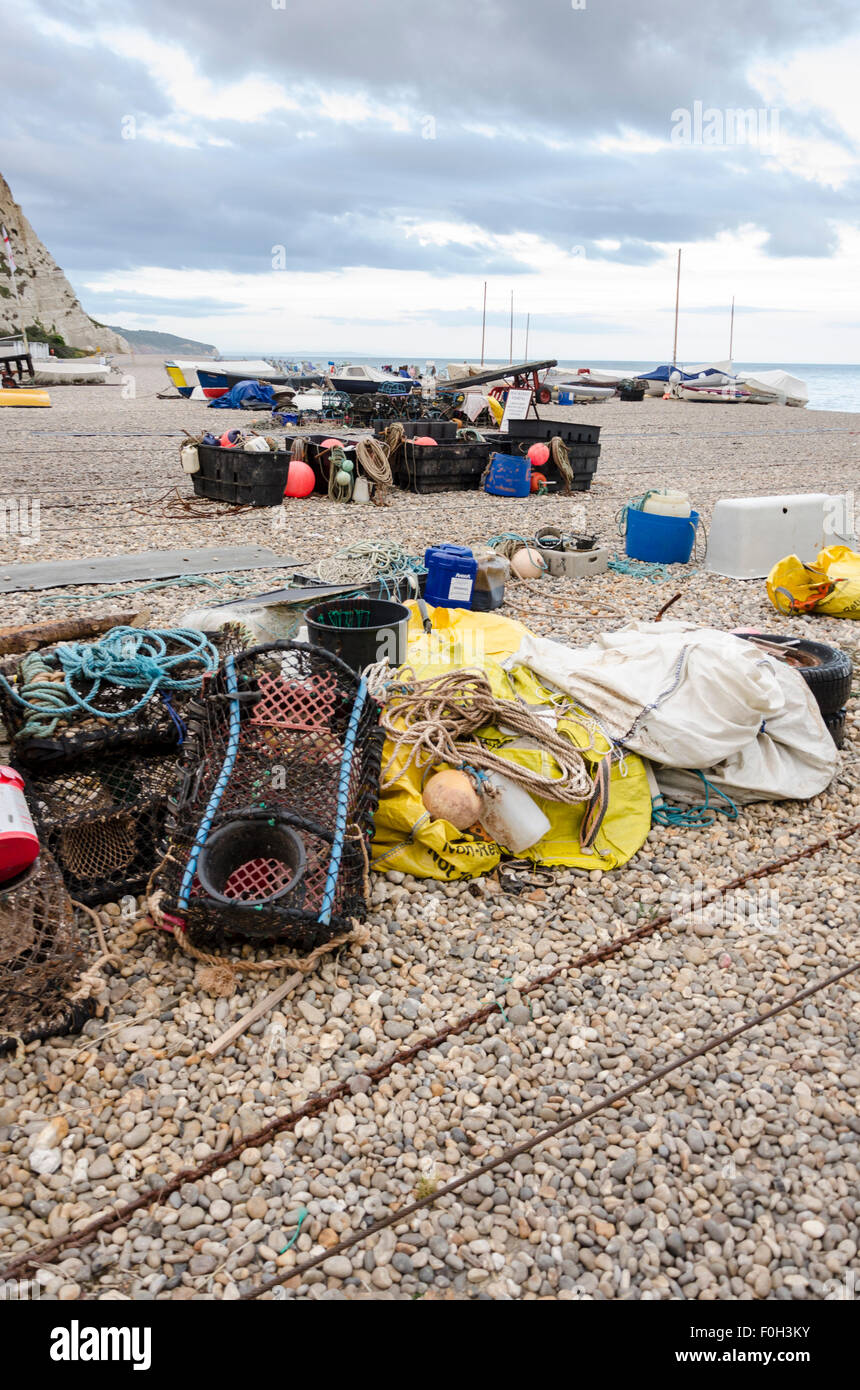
(327, 906)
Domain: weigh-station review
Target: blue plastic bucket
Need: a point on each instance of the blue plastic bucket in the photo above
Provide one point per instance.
(510, 475)
(566, 397)
(662, 540)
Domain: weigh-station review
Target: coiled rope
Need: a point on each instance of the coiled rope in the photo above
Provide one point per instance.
(433, 719)
(129, 658)
(338, 492)
(364, 561)
(373, 460)
(561, 458)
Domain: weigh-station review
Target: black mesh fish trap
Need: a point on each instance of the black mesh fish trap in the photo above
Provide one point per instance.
(55, 737)
(268, 836)
(103, 820)
(41, 956)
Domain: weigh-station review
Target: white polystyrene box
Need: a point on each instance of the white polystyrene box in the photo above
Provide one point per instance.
(749, 534)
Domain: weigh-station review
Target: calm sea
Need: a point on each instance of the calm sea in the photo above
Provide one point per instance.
(830, 386)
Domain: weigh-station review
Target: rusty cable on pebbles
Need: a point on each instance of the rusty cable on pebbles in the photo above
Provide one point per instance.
(614, 1098)
(116, 1217)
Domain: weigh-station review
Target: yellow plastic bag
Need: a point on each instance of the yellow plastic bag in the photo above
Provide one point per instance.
(407, 839)
(831, 585)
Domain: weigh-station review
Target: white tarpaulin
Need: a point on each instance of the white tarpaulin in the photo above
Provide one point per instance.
(786, 388)
(695, 698)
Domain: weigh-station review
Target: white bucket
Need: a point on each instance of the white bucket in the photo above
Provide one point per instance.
(510, 815)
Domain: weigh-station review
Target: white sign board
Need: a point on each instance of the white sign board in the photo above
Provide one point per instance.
(516, 408)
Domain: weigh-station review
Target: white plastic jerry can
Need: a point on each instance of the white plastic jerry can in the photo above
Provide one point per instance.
(510, 815)
(19, 843)
(189, 458)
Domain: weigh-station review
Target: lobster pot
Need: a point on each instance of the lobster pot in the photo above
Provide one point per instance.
(103, 821)
(77, 735)
(269, 829)
(41, 956)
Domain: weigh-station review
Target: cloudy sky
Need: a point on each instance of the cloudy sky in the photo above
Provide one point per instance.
(338, 177)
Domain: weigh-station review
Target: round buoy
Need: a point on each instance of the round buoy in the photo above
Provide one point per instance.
(229, 439)
(424, 439)
(331, 443)
(451, 796)
(527, 564)
(300, 479)
(342, 478)
(538, 481)
(538, 455)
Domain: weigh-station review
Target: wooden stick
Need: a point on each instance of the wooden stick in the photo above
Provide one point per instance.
(27, 638)
(242, 1024)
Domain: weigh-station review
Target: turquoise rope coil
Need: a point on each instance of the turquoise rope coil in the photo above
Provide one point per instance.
(664, 813)
(130, 658)
(218, 790)
(327, 906)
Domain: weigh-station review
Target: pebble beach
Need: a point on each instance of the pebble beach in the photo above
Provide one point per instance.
(734, 1177)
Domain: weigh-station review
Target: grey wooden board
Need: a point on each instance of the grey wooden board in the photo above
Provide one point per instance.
(147, 564)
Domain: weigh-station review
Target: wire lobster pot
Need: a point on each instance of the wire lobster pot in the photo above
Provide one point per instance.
(268, 832)
(41, 956)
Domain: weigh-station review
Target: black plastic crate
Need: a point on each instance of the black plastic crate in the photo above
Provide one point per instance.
(454, 467)
(416, 429)
(240, 476)
(539, 431)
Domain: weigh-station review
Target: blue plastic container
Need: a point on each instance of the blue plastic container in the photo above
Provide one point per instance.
(451, 571)
(510, 475)
(662, 540)
(566, 397)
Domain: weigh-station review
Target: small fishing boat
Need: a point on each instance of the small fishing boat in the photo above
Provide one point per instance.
(356, 379)
(775, 388)
(69, 371)
(717, 395)
(185, 376)
(572, 392)
(19, 396)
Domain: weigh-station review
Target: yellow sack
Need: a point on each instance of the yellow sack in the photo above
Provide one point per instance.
(831, 585)
(406, 838)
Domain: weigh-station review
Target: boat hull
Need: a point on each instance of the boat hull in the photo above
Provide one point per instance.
(21, 397)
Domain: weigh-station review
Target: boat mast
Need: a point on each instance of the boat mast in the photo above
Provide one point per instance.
(732, 331)
(484, 325)
(677, 304)
(511, 357)
(526, 353)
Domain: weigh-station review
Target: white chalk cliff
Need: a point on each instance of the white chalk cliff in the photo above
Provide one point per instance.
(45, 293)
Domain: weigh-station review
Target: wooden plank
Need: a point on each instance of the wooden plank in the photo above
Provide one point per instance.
(242, 1024)
(29, 637)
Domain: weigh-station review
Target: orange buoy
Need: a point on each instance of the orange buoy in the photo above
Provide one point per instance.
(300, 479)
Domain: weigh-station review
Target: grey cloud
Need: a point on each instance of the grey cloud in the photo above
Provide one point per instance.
(334, 201)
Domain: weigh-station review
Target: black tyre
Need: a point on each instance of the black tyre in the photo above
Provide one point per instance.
(836, 726)
(828, 671)
(543, 395)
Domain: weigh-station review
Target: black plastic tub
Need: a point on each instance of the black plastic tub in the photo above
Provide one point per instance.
(447, 467)
(241, 477)
(361, 631)
(247, 863)
(418, 429)
(544, 430)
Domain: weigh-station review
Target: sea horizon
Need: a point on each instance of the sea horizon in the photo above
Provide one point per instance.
(831, 385)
